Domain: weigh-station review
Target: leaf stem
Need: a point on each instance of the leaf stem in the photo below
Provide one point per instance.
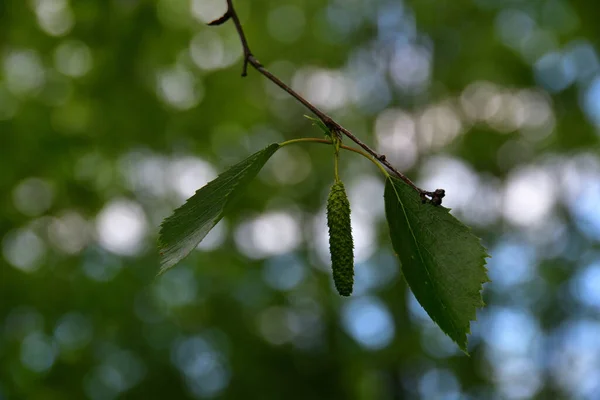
(325, 141)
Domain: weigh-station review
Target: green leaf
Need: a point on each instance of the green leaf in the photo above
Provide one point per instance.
(181, 232)
(442, 261)
(321, 125)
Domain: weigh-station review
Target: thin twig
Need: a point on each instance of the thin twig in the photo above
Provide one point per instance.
(342, 146)
(436, 196)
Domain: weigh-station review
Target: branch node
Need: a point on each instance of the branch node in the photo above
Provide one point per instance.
(253, 60)
(436, 197)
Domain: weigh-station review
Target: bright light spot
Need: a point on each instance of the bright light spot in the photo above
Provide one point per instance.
(504, 112)
(24, 250)
(284, 272)
(417, 312)
(205, 368)
(363, 233)
(393, 22)
(208, 51)
(188, 174)
(101, 266)
(340, 21)
(279, 325)
(591, 101)
(507, 110)
(439, 384)
(269, 234)
(364, 194)
(290, 166)
(378, 271)
(480, 100)
(371, 93)
(586, 212)
(145, 172)
(395, 131)
(206, 11)
(538, 118)
(513, 25)
(487, 209)
(38, 352)
(121, 226)
(455, 176)
(69, 233)
(514, 263)
(369, 322)
(73, 58)
(438, 125)
(584, 286)
(410, 67)
(215, 238)
(583, 55)
(286, 23)
(33, 196)
(518, 378)
(529, 196)
(577, 175)
(555, 71)
(574, 361)
(120, 371)
(324, 88)
(54, 16)
(177, 287)
(178, 88)
(73, 331)
(511, 332)
(23, 72)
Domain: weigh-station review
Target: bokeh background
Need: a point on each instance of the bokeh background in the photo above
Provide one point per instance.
(113, 112)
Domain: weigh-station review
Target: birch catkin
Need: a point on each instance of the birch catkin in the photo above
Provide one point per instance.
(341, 245)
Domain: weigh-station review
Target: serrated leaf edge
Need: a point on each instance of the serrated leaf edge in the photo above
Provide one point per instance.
(472, 316)
(162, 245)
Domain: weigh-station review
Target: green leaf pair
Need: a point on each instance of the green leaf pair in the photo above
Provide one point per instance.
(442, 261)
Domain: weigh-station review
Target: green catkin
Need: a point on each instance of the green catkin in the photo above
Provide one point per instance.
(341, 245)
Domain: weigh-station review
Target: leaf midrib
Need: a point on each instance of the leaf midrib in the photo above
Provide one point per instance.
(420, 255)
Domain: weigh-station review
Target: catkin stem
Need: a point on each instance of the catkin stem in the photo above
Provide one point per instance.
(336, 158)
(336, 172)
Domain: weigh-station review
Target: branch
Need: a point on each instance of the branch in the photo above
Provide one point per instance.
(436, 196)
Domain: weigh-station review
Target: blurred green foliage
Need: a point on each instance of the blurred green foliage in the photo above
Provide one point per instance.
(113, 112)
